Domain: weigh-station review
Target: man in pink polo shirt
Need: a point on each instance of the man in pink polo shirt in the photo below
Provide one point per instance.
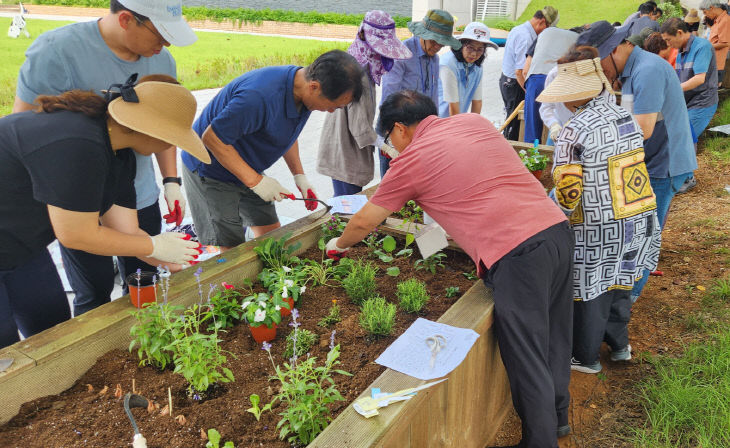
(465, 174)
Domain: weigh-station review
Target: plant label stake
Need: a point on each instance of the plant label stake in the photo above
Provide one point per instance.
(431, 239)
(368, 406)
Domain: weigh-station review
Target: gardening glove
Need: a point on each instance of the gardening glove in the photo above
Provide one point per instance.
(174, 247)
(269, 189)
(307, 191)
(175, 203)
(333, 251)
(389, 152)
(555, 131)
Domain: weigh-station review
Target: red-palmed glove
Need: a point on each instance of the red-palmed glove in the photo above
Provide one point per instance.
(307, 190)
(333, 251)
(175, 203)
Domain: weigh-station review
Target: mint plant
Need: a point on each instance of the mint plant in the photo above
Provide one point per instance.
(377, 316)
(305, 341)
(412, 295)
(431, 263)
(360, 282)
(156, 327)
(452, 291)
(275, 253)
(332, 317)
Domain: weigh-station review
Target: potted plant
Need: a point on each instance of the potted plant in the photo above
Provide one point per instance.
(262, 315)
(534, 161)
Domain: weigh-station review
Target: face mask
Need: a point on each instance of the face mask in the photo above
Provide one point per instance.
(387, 63)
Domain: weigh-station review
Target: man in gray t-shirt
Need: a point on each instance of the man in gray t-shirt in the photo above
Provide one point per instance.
(131, 38)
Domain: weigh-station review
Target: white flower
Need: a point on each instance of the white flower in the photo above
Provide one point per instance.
(259, 316)
(245, 304)
(277, 308)
(289, 283)
(285, 293)
(302, 289)
(262, 304)
(286, 269)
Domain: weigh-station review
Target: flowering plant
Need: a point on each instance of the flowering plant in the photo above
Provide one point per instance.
(260, 309)
(533, 160)
(285, 283)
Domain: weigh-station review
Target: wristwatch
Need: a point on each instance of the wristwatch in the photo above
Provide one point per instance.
(177, 180)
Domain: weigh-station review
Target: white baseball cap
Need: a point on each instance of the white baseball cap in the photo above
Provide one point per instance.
(479, 32)
(166, 16)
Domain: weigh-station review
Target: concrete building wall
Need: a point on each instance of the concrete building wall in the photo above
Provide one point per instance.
(395, 7)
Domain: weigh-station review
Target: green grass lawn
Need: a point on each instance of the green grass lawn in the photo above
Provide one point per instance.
(579, 12)
(213, 61)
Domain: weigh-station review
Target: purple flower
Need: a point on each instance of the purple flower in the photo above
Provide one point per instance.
(198, 272)
(332, 339)
(295, 314)
(266, 346)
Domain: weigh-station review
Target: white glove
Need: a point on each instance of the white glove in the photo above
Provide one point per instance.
(174, 247)
(555, 131)
(390, 151)
(307, 190)
(175, 203)
(333, 251)
(269, 189)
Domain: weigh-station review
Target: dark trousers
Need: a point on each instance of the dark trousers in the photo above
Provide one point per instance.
(343, 188)
(512, 95)
(533, 294)
(534, 86)
(92, 276)
(384, 164)
(32, 299)
(605, 318)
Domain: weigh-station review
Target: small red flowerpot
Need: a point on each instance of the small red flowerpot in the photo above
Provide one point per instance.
(262, 333)
(537, 174)
(142, 288)
(285, 312)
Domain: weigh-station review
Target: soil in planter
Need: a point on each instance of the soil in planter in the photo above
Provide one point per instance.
(81, 417)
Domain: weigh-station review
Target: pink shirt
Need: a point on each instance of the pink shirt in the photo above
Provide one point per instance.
(468, 178)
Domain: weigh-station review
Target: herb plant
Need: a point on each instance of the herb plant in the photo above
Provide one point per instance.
(255, 409)
(470, 275)
(319, 273)
(452, 291)
(223, 309)
(260, 309)
(275, 253)
(305, 341)
(377, 316)
(360, 282)
(533, 160)
(413, 295)
(214, 440)
(431, 263)
(411, 212)
(332, 228)
(156, 328)
(332, 317)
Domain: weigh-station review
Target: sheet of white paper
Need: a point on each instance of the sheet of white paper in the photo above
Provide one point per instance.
(411, 355)
(725, 129)
(348, 204)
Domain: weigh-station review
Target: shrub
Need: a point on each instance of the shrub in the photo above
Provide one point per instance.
(377, 316)
(413, 295)
(360, 282)
(305, 341)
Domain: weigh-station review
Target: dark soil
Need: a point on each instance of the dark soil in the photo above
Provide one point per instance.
(82, 416)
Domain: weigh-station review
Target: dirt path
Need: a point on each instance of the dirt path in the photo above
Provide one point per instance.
(695, 252)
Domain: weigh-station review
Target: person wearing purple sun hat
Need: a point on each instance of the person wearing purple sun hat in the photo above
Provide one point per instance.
(346, 144)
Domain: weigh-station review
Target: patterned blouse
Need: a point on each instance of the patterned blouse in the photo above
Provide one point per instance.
(600, 177)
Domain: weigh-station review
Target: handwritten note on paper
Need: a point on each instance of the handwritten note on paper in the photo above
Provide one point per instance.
(347, 204)
(411, 353)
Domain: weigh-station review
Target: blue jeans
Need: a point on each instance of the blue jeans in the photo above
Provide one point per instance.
(533, 122)
(664, 189)
(343, 188)
(700, 118)
(32, 299)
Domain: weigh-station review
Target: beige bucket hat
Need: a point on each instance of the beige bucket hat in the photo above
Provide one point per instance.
(577, 80)
(166, 112)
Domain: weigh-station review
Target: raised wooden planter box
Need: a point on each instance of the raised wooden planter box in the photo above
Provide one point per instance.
(465, 411)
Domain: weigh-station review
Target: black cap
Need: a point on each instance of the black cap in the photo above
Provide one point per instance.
(604, 36)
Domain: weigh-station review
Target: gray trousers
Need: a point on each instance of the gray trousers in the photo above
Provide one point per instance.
(604, 318)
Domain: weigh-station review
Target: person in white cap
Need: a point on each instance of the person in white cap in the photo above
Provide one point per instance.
(131, 38)
(460, 72)
(67, 172)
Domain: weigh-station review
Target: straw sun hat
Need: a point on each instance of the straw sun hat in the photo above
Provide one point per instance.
(165, 111)
(577, 80)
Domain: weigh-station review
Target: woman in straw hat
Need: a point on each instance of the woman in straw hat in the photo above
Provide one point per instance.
(346, 144)
(460, 72)
(67, 172)
(602, 183)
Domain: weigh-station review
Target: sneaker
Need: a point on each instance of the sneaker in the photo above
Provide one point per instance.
(689, 184)
(621, 355)
(585, 368)
(563, 431)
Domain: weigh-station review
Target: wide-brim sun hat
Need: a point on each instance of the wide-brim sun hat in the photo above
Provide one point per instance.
(479, 32)
(604, 36)
(166, 112)
(379, 30)
(692, 16)
(575, 81)
(437, 25)
(166, 16)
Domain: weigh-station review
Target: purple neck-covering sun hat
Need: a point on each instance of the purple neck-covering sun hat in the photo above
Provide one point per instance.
(380, 47)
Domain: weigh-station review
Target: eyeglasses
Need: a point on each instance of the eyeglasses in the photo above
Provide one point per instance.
(386, 140)
(157, 34)
(473, 49)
